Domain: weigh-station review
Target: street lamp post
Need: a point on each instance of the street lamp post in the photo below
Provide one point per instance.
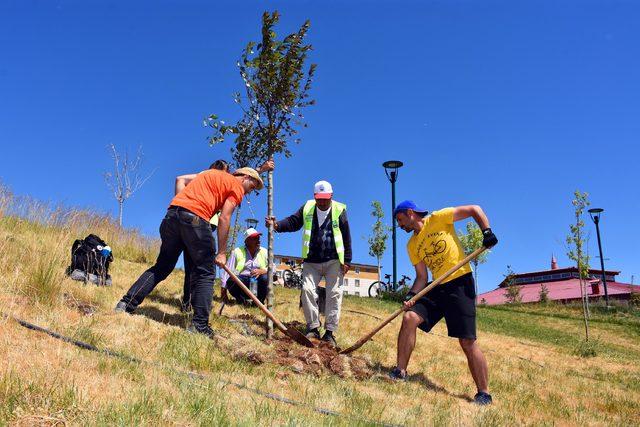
(595, 217)
(391, 169)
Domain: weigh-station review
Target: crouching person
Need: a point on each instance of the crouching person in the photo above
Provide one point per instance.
(249, 263)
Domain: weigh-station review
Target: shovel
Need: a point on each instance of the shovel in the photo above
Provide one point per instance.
(416, 297)
(292, 333)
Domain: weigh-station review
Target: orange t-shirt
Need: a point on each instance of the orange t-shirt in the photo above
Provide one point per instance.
(205, 195)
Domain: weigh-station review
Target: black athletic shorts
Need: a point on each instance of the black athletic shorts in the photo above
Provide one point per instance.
(456, 302)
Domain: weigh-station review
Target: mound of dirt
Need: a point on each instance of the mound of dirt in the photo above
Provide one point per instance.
(322, 360)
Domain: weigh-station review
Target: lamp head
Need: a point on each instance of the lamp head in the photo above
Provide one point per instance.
(391, 167)
(595, 214)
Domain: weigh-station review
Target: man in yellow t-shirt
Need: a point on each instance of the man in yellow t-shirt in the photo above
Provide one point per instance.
(435, 245)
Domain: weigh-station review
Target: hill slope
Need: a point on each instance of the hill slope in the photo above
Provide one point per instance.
(536, 377)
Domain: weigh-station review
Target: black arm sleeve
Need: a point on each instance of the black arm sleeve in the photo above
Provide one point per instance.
(290, 223)
(346, 236)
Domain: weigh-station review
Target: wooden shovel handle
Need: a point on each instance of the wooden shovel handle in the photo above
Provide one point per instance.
(255, 299)
(416, 297)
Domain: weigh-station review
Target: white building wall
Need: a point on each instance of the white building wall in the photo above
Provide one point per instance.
(357, 287)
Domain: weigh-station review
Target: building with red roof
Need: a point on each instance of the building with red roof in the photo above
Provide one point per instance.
(561, 284)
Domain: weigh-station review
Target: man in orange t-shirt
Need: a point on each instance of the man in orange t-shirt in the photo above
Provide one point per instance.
(185, 228)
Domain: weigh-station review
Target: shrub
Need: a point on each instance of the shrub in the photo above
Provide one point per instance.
(544, 293)
(586, 349)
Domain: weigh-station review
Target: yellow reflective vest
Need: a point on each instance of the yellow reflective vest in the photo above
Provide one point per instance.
(307, 215)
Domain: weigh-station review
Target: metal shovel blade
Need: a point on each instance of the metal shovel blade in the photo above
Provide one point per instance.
(298, 337)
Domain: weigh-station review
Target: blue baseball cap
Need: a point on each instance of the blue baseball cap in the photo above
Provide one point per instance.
(409, 204)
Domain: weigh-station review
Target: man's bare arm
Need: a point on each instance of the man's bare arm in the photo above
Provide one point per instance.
(489, 239)
(421, 277)
(475, 211)
(419, 284)
(183, 180)
(224, 221)
(267, 166)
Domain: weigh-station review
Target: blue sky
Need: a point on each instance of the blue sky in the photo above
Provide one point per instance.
(509, 105)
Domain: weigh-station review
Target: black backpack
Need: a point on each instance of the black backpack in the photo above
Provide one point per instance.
(87, 257)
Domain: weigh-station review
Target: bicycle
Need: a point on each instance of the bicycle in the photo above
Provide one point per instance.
(379, 287)
(292, 278)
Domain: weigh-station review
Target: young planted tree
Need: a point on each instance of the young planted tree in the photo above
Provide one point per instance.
(125, 179)
(543, 295)
(378, 239)
(276, 82)
(576, 252)
(512, 290)
(472, 240)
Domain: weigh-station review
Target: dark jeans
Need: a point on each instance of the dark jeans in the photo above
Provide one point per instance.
(241, 297)
(188, 268)
(180, 231)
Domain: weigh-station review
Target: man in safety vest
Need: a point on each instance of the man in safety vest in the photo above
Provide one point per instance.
(247, 262)
(326, 249)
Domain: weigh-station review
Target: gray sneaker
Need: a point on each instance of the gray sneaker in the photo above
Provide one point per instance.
(312, 333)
(121, 307)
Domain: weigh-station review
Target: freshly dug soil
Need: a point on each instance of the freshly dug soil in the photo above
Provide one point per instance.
(322, 360)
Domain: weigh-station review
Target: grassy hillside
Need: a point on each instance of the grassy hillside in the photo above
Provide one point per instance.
(537, 374)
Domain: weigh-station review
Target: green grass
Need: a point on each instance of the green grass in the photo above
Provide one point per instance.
(519, 322)
(537, 373)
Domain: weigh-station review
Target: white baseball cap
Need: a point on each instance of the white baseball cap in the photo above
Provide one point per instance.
(251, 232)
(322, 190)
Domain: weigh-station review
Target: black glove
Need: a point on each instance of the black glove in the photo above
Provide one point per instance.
(409, 295)
(489, 239)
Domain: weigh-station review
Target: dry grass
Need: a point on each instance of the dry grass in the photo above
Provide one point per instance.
(535, 376)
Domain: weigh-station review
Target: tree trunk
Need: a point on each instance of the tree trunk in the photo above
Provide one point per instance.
(379, 272)
(270, 295)
(120, 208)
(584, 296)
(584, 312)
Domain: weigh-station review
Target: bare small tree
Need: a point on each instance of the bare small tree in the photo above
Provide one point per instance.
(125, 179)
(576, 244)
(378, 239)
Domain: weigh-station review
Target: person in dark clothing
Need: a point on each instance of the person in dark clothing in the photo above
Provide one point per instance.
(326, 250)
(181, 182)
(185, 228)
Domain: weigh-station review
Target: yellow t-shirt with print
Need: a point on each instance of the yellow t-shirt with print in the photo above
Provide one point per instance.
(438, 246)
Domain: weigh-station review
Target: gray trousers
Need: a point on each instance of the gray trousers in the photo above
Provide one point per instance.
(312, 273)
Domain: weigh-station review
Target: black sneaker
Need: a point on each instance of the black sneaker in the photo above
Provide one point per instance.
(398, 374)
(329, 338)
(204, 330)
(122, 307)
(481, 398)
(312, 333)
